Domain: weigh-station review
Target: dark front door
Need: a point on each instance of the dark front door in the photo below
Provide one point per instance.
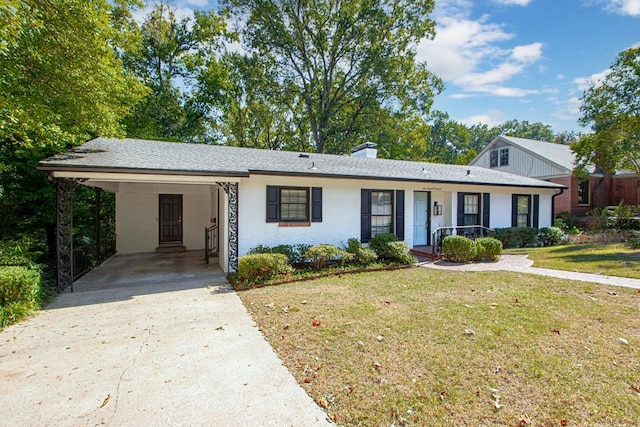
(170, 218)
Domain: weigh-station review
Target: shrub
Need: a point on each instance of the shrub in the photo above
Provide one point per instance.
(634, 242)
(552, 236)
(491, 248)
(399, 252)
(458, 248)
(517, 237)
(261, 267)
(320, 255)
(17, 254)
(379, 243)
(294, 253)
(566, 222)
(479, 251)
(19, 287)
(362, 254)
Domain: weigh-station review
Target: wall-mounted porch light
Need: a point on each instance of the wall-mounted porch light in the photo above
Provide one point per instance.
(437, 209)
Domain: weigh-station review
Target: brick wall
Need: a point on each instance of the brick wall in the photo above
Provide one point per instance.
(600, 195)
(626, 189)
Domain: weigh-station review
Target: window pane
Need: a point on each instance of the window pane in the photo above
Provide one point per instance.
(381, 212)
(471, 202)
(493, 159)
(583, 192)
(522, 213)
(294, 204)
(504, 157)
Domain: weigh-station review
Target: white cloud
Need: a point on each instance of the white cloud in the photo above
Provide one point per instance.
(491, 118)
(468, 52)
(623, 7)
(583, 83)
(513, 2)
(527, 53)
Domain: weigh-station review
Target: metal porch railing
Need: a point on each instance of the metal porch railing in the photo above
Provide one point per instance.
(470, 231)
(210, 242)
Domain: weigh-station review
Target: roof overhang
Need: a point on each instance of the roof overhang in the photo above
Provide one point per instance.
(144, 177)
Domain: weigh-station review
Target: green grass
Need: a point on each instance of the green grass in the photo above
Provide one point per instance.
(611, 260)
(390, 347)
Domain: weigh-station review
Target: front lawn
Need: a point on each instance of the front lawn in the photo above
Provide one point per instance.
(611, 260)
(430, 347)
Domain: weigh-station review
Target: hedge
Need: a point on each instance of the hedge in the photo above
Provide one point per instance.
(259, 268)
(19, 287)
(458, 248)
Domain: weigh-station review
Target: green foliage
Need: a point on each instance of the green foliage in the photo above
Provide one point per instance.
(489, 247)
(19, 287)
(294, 253)
(380, 244)
(321, 255)
(552, 236)
(259, 268)
(611, 108)
(362, 254)
(340, 63)
(566, 222)
(625, 217)
(18, 254)
(399, 252)
(634, 242)
(517, 237)
(166, 51)
(458, 248)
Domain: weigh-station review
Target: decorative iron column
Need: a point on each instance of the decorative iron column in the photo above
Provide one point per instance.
(231, 188)
(64, 188)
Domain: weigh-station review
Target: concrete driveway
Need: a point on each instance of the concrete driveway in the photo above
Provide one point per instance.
(155, 339)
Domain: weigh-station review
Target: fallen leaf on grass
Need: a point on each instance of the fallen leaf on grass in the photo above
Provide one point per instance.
(563, 422)
(106, 400)
(469, 332)
(635, 388)
(623, 341)
(612, 293)
(380, 338)
(523, 422)
(554, 331)
(315, 323)
(442, 394)
(323, 402)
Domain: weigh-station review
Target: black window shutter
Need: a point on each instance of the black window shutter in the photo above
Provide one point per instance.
(485, 209)
(316, 204)
(536, 211)
(514, 210)
(400, 214)
(365, 215)
(460, 209)
(273, 204)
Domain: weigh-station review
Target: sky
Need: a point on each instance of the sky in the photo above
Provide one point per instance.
(518, 59)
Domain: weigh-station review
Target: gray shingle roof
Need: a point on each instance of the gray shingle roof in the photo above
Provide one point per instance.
(559, 154)
(143, 156)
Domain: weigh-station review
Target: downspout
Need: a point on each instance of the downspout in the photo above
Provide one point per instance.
(553, 204)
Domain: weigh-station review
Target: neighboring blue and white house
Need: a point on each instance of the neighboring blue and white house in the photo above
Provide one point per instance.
(168, 193)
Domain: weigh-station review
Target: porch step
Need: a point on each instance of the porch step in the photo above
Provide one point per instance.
(170, 248)
(425, 252)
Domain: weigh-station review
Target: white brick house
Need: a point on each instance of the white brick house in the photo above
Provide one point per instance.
(168, 193)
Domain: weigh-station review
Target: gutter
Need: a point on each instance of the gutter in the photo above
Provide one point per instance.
(553, 204)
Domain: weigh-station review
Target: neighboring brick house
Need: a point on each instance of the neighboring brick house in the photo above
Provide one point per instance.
(555, 163)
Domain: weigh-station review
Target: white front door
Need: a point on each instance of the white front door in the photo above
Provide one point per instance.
(420, 218)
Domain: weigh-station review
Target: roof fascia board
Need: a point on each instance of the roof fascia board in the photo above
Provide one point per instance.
(382, 178)
(116, 170)
(149, 178)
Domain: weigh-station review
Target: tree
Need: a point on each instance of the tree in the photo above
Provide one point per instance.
(612, 109)
(167, 54)
(343, 59)
(61, 83)
(524, 129)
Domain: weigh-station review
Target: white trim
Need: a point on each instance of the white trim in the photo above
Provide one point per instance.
(149, 178)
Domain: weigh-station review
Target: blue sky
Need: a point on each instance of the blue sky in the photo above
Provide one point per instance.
(518, 59)
(525, 59)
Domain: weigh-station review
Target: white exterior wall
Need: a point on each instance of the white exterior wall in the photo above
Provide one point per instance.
(341, 209)
(137, 215)
(521, 163)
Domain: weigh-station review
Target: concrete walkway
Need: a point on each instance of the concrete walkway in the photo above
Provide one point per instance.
(157, 339)
(521, 264)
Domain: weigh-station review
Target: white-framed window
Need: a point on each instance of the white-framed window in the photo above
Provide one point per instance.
(504, 157)
(493, 159)
(381, 212)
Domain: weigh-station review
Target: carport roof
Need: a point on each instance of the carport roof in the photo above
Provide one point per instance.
(171, 158)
